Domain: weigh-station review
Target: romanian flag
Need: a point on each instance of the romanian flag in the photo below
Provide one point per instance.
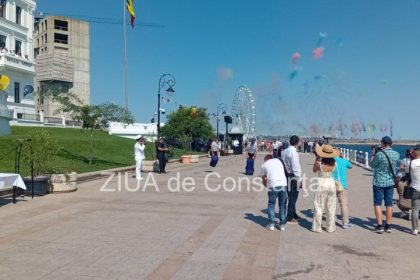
(130, 9)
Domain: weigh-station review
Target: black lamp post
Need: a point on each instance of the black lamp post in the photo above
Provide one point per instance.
(164, 80)
(220, 108)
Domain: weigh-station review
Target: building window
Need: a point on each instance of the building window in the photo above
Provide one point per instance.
(18, 47)
(17, 92)
(61, 38)
(18, 15)
(2, 42)
(3, 8)
(46, 38)
(61, 25)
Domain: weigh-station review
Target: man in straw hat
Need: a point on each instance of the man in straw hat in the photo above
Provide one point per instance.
(139, 155)
(325, 195)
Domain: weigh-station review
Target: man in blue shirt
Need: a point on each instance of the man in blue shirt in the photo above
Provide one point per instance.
(384, 164)
(340, 175)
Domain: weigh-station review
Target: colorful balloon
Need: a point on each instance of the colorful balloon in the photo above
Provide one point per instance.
(4, 82)
(318, 52)
(295, 57)
(293, 74)
(193, 112)
(323, 34)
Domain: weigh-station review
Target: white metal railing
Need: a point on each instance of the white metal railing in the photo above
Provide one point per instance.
(357, 157)
(41, 120)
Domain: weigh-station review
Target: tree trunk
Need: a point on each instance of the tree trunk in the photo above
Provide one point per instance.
(91, 147)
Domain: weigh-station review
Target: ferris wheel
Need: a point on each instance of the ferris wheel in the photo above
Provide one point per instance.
(243, 111)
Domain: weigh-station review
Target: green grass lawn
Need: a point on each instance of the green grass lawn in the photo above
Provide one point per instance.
(108, 151)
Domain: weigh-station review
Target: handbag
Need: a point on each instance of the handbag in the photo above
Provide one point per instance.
(408, 190)
(396, 178)
(338, 185)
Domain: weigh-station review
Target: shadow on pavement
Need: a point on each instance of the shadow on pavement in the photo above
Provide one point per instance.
(75, 157)
(259, 220)
(9, 200)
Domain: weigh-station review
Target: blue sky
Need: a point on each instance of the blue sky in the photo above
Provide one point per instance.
(369, 73)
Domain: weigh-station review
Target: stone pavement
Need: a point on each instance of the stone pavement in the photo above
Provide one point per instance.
(93, 234)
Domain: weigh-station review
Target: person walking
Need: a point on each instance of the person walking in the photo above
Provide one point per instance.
(340, 175)
(404, 204)
(252, 149)
(215, 148)
(276, 147)
(273, 174)
(325, 195)
(414, 171)
(139, 148)
(384, 164)
(161, 150)
(252, 153)
(290, 158)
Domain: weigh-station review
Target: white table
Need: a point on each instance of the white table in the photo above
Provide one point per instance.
(13, 180)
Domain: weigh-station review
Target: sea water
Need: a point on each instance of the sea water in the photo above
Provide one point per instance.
(368, 148)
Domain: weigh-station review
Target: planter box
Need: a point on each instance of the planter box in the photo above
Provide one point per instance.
(195, 158)
(150, 166)
(186, 159)
(64, 182)
(41, 185)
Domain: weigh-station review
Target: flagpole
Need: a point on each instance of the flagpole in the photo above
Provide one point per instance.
(125, 56)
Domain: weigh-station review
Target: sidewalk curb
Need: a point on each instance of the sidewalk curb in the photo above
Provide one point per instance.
(94, 175)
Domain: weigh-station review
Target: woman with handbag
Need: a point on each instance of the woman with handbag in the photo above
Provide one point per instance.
(414, 172)
(325, 195)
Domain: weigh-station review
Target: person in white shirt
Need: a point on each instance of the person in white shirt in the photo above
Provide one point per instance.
(414, 170)
(236, 143)
(215, 147)
(404, 204)
(310, 146)
(290, 158)
(139, 155)
(252, 149)
(274, 178)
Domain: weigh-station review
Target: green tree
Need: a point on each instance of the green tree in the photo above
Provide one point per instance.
(92, 116)
(186, 126)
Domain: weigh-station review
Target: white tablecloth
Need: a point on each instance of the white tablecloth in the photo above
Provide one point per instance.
(8, 180)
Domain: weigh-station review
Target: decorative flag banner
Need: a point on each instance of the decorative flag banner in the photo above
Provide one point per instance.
(130, 9)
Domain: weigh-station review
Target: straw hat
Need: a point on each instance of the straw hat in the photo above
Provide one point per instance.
(327, 151)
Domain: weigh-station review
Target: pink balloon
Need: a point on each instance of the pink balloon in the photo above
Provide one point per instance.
(318, 52)
(296, 56)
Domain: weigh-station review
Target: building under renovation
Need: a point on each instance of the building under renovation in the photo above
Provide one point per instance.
(62, 60)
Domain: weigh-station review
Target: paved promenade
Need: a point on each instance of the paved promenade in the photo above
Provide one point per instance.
(93, 234)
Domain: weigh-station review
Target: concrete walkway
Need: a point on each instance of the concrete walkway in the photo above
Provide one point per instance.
(94, 234)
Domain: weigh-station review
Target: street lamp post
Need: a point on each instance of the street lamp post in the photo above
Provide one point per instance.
(169, 80)
(220, 107)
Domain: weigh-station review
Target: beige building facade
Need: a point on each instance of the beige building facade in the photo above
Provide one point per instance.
(61, 49)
